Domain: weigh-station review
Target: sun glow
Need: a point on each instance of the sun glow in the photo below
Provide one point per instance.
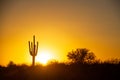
(43, 57)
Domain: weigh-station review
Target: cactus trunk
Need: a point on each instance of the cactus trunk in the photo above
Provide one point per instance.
(33, 60)
(33, 49)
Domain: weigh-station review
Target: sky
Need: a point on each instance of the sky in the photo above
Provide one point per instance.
(60, 26)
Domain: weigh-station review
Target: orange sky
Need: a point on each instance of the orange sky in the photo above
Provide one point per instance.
(59, 26)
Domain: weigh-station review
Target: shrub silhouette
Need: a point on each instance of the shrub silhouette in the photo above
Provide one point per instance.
(81, 55)
(112, 61)
(11, 64)
(61, 71)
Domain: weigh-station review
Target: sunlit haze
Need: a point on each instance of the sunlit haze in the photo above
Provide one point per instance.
(59, 26)
(44, 57)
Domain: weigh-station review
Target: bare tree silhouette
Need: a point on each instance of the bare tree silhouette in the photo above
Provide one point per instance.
(33, 49)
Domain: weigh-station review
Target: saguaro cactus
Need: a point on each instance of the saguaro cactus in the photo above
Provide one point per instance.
(33, 49)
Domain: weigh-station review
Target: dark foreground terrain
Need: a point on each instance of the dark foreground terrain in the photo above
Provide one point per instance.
(61, 71)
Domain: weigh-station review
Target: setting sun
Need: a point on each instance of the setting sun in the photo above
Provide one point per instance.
(43, 57)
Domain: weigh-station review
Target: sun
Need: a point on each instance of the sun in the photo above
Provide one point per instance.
(43, 57)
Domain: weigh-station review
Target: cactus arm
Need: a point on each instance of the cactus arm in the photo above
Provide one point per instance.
(30, 48)
(36, 49)
(29, 45)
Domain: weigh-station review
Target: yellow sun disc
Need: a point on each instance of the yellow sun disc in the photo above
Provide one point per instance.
(43, 57)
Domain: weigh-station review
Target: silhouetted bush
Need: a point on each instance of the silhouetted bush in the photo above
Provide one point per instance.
(61, 71)
(81, 55)
(112, 61)
(84, 66)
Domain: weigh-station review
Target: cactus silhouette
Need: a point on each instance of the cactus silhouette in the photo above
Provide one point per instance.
(33, 49)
